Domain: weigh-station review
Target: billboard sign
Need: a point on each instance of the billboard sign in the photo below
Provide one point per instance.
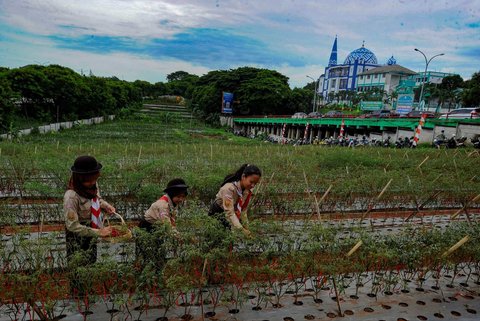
(404, 104)
(227, 103)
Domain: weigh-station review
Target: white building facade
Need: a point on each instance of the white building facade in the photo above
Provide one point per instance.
(343, 77)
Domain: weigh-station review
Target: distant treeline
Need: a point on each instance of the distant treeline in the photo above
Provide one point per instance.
(56, 93)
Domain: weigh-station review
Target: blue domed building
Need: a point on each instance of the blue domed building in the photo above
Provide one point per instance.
(342, 77)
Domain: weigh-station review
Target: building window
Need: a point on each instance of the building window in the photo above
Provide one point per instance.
(343, 84)
(334, 83)
(375, 76)
(383, 75)
(361, 77)
(368, 76)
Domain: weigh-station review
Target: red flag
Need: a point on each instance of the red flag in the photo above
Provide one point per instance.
(342, 128)
(305, 134)
(419, 129)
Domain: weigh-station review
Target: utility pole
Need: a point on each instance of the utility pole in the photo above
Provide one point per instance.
(314, 93)
(427, 62)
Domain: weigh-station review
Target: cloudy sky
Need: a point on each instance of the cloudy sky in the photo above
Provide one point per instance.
(148, 39)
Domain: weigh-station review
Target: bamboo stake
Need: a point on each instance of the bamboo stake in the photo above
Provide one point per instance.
(314, 196)
(456, 246)
(419, 208)
(139, 154)
(325, 194)
(370, 207)
(436, 179)
(355, 248)
(426, 158)
(463, 208)
(204, 267)
(384, 189)
(336, 297)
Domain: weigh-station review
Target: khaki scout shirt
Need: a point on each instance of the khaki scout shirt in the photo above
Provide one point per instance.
(162, 211)
(227, 198)
(78, 214)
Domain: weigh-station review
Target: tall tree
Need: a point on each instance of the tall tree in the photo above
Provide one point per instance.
(177, 75)
(256, 91)
(471, 94)
(32, 84)
(7, 110)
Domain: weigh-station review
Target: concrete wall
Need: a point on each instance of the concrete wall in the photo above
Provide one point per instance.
(402, 133)
(226, 121)
(57, 126)
(468, 131)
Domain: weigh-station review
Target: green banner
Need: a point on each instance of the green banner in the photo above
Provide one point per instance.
(371, 105)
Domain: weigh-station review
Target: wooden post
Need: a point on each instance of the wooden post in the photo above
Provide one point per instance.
(336, 297)
(456, 246)
(426, 158)
(463, 208)
(370, 207)
(419, 208)
(355, 248)
(314, 195)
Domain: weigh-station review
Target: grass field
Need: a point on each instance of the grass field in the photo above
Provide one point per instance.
(141, 155)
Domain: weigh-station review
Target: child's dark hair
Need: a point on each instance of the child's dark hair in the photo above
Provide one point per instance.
(245, 169)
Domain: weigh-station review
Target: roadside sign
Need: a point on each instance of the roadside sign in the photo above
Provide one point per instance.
(404, 104)
(227, 103)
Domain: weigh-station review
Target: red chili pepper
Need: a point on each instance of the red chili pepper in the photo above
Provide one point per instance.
(115, 232)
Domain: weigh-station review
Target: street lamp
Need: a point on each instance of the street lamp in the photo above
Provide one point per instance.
(427, 62)
(314, 92)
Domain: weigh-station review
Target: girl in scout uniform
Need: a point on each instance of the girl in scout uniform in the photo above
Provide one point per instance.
(231, 202)
(165, 208)
(151, 247)
(83, 207)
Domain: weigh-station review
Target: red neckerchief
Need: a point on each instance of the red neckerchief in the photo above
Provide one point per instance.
(96, 217)
(170, 207)
(241, 204)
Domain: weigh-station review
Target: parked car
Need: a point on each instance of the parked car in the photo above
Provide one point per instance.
(315, 114)
(383, 113)
(299, 115)
(472, 113)
(419, 113)
(333, 114)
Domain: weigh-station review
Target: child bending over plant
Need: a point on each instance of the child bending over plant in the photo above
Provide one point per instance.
(231, 202)
(165, 209)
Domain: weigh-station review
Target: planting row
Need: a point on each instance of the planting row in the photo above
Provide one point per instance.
(281, 257)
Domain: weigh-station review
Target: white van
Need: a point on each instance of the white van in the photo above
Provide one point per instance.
(471, 113)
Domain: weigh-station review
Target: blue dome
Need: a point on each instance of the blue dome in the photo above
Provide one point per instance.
(392, 61)
(363, 55)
